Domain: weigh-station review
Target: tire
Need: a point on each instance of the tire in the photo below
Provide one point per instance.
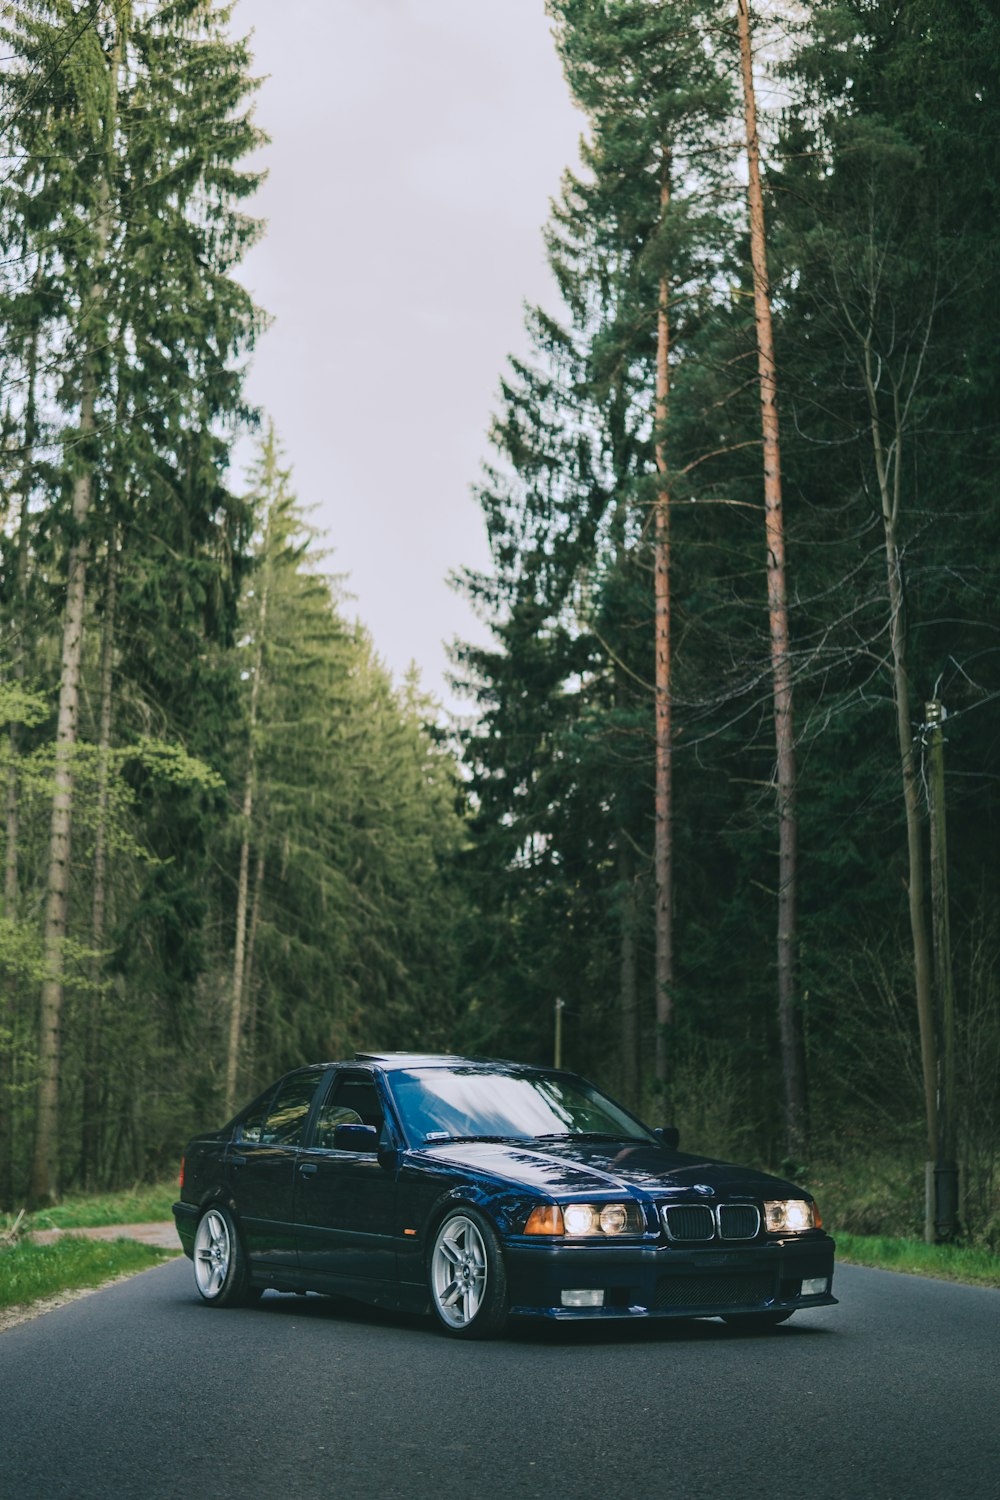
(761, 1322)
(221, 1273)
(468, 1279)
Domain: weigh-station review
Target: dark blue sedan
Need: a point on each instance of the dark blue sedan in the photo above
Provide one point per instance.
(480, 1190)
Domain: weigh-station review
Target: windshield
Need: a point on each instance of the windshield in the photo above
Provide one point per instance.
(471, 1104)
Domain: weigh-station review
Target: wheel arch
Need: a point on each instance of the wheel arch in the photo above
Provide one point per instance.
(454, 1200)
(505, 1209)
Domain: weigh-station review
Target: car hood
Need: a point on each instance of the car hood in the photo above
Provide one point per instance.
(581, 1167)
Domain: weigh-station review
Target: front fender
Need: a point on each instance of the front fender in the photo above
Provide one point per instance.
(507, 1211)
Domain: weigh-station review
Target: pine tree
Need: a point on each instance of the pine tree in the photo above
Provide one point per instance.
(141, 230)
(880, 215)
(789, 1015)
(654, 94)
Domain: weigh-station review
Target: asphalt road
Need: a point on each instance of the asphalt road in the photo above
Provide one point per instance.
(140, 1391)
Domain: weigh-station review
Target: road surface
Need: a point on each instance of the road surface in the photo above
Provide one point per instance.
(141, 1391)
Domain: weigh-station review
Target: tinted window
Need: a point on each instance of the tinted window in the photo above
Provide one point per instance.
(287, 1116)
(251, 1122)
(251, 1128)
(353, 1100)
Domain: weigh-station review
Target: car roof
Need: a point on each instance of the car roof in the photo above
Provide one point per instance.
(395, 1060)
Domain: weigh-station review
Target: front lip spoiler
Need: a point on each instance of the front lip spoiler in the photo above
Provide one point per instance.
(630, 1314)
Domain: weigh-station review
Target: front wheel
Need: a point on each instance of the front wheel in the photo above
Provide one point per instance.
(761, 1322)
(467, 1276)
(221, 1273)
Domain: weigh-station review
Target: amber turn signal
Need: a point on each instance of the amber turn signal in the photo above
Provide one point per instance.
(545, 1219)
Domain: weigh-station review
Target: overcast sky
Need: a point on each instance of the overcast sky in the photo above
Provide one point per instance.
(415, 147)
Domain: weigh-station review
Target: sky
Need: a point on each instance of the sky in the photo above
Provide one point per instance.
(415, 146)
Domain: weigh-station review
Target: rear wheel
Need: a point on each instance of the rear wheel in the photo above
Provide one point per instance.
(468, 1278)
(755, 1322)
(221, 1273)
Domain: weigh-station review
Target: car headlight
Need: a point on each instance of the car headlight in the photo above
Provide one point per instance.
(585, 1219)
(790, 1216)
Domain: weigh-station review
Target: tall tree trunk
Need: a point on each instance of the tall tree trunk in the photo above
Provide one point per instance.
(12, 819)
(45, 1169)
(789, 1015)
(631, 1071)
(662, 847)
(240, 942)
(243, 882)
(45, 1178)
(12, 812)
(90, 1132)
(888, 469)
(248, 978)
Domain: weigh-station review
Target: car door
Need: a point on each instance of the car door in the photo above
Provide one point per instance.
(345, 1200)
(260, 1170)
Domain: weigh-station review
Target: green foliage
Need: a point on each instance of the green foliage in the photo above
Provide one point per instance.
(140, 1204)
(126, 128)
(30, 1272)
(18, 705)
(172, 765)
(881, 183)
(354, 822)
(963, 1263)
(255, 771)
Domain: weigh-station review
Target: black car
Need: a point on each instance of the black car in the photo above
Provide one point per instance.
(479, 1190)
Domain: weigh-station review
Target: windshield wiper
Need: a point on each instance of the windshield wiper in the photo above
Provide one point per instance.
(435, 1139)
(586, 1135)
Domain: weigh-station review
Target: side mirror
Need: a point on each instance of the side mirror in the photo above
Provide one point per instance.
(669, 1136)
(355, 1138)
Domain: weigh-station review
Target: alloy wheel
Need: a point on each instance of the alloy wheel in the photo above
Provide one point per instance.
(212, 1253)
(459, 1271)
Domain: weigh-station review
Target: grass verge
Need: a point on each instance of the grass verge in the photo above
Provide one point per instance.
(143, 1204)
(964, 1263)
(30, 1272)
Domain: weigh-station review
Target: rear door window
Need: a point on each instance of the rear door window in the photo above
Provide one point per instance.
(289, 1111)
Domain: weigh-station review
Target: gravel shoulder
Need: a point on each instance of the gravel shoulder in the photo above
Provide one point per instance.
(163, 1235)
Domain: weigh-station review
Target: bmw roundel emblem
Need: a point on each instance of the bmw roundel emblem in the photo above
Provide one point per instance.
(704, 1189)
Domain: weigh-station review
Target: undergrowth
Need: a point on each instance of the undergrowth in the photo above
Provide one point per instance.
(29, 1272)
(970, 1264)
(143, 1204)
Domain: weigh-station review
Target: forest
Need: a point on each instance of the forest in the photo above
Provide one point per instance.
(720, 826)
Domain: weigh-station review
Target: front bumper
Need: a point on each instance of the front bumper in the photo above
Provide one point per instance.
(667, 1281)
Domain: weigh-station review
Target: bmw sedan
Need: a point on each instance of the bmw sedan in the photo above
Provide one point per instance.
(480, 1190)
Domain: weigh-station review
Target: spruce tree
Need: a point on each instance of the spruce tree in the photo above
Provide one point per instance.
(141, 231)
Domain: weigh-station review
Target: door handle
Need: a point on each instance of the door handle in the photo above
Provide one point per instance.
(307, 1168)
(237, 1161)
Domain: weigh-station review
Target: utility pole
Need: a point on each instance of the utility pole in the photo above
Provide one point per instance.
(560, 1007)
(942, 1175)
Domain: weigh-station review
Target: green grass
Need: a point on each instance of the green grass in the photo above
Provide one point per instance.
(965, 1263)
(29, 1272)
(142, 1204)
